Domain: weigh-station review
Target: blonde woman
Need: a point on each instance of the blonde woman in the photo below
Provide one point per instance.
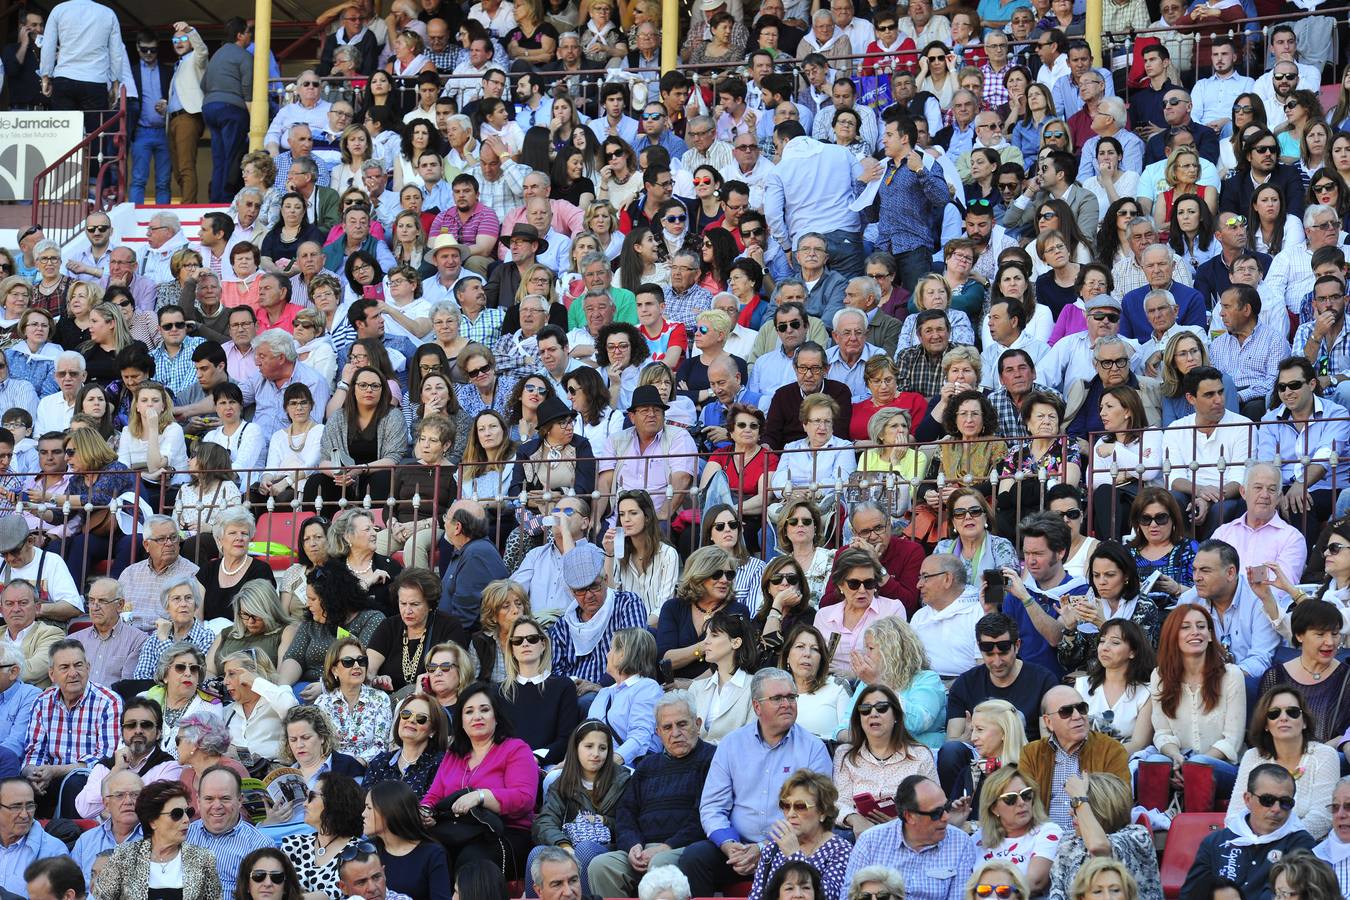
(542, 705)
(449, 671)
(409, 240)
(356, 149)
(892, 654)
(72, 329)
(109, 335)
(1014, 828)
(153, 442)
(261, 623)
(260, 702)
(1103, 876)
(315, 347)
(995, 878)
(1183, 179)
(998, 734)
(933, 292)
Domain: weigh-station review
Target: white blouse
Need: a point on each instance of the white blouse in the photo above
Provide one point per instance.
(1125, 711)
(1196, 730)
(656, 585)
(132, 453)
(283, 461)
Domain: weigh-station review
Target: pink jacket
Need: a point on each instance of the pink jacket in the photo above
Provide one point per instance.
(509, 771)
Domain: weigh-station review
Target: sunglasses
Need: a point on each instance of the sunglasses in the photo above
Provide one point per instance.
(440, 667)
(1333, 549)
(1067, 710)
(881, 707)
(348, 662)
(931, 814)
(1072, 515)
(797, 806)
(614, 154)
(722, 575)
(530, 639)
(1285, 77)
(726, 526)
(869, 584)
(1056, 135)
(751, 232)
(1026, 795)
(1048, 215)
(178, 813)
(481, 370)
(1324, 186)
(1234, 222)
(652, 117)
(967, 512)
(97, 229)
(674, 219)
(1105, 317)
(995, 646)
(703, 181)
(1282, 386)
(1293, 712)
(1008, 187)
(1269, 800)
(748, 425)
(1266, 149)
(258, 876)
(167, 326)
(408, 715)
(788, 326)
(792, 579)
(1162, 518)
(355, 849)
(1242, 108)
(996, 890)
(184, 668)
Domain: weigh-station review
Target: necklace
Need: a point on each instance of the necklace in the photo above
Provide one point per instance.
(224, 570)
(323, 849)
(366, 571)
(1317, 676)
(410, 664)
(304, 437)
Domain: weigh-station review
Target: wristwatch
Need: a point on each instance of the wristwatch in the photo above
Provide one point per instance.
(1075, 802)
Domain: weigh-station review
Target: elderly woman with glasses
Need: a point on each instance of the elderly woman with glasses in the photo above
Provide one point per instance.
(359, 711)
(856, 575)
(222, 578)
(421, 735)
(178, 679)
(32, 358)
(804, 836)
(878, 883)
(51, 288)
(163, 857)
(181, 599)
(970, 518)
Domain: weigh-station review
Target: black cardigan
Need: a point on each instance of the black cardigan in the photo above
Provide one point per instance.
(544, 715)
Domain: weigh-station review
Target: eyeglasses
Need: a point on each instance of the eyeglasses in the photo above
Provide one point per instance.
(187, 668)
(809, 370)
(120, 796)
(797, 806)
(866, 584)
(745, 147)
(1026, 795)
(748, 425)
(29, 807)
(996, 890)
(789, 578)
(726, 526)
(1068, 710)
(1119, 363)
(178, 813)
(881, 707)
(348, 662)
(788, 326)
(258, 876)
(1293, 712)
(530, 639)
(779, 699)
(408, 715)
(1269, 800)
(1282, 386)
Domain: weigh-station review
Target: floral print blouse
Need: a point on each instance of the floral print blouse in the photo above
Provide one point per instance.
(363, 730)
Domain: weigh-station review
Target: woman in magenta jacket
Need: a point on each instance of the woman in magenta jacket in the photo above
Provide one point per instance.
(485, 770)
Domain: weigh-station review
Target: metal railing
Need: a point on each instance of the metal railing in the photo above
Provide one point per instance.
(91, 175)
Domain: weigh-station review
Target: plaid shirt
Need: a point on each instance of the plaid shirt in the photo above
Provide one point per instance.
(283, 162)
(935, 873)
(487, 330)
(61, 736)
(200, 637)
(684, 307)
(1010, 424)
(179, 372)
(1252, 364)
(995, 93)
(920, 372)
(1120, 18)
(1330, 359)
(445, 60)
(629, 612)
(504, 194)
(517, 357)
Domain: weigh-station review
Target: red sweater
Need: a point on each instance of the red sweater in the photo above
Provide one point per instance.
(902, 559)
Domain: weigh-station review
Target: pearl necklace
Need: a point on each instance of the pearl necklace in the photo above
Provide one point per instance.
(227, 573)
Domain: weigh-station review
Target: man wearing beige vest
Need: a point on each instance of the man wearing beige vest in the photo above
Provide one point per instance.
(185, 108)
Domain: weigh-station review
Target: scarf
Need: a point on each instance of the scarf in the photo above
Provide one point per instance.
(1333, 849)
(1124, 611)
(586, 636)
(344, 41)
(1243, 836)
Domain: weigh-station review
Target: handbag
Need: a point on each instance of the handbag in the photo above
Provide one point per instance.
(588, 827)
(456, 830)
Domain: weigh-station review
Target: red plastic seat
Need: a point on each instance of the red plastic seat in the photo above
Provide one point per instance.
(1183, 840)
(79, 624)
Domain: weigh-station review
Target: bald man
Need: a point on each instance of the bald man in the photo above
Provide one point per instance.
(1069, 748)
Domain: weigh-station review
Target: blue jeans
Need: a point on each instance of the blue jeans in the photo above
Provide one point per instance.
(150, 141)
(229, 137)
(846, 252)
(911, 266)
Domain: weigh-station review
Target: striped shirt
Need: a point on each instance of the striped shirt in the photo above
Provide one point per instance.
(1252, 363)
(938, 872)
(481, 221)
(229, 848)
(176, 372)
(61, 735)
(629, 612)
(200, 637)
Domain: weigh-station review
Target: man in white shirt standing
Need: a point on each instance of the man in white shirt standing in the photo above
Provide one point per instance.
(945, 623)
(82, 56)
(1213, 97)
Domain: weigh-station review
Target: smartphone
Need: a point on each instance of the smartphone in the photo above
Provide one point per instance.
(372, 292)
(995, 586)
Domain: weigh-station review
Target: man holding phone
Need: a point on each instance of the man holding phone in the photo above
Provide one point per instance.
(1240, 622)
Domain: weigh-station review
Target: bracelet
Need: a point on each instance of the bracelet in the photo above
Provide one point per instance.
(342, 386)
(1026, 604)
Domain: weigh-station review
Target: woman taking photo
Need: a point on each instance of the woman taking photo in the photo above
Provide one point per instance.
(360, 713)
(489, 768)
(1184, 352)
(333, 599)
(705, 589)
(1116, 686)
(1015, 829)
(722, 695)
(1199, 710)
(367, 433)
(809, 802)
(1282, 732)
(545, 704)
(878, 754)
(970, 519)
(397, 650)
(579, 808)
(260, 703)
(648, 566)
(421, 735)
(333, 809)
(1160, 544)
(631, 663)
(1114, 595)
(162, 863)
